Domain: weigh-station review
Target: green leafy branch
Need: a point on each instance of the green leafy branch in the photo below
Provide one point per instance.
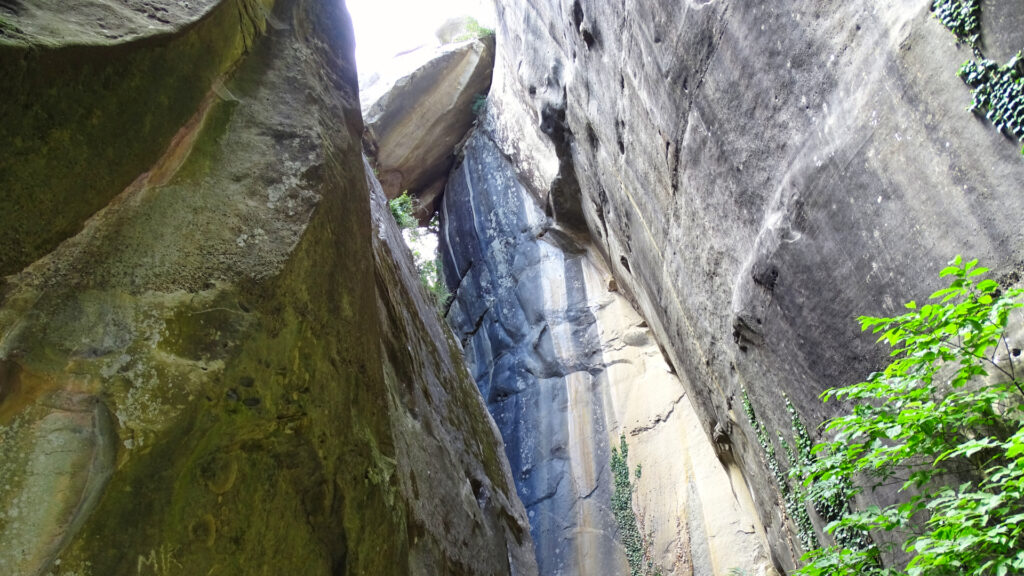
(944, 423)
(403, 208)
(428, 266)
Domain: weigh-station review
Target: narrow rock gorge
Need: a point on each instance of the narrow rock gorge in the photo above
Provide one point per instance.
(567, 366)
(217, 355)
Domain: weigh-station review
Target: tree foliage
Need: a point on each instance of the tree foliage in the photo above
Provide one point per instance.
(424, 254)
(473, 31)
(402, 209)
(943, 422)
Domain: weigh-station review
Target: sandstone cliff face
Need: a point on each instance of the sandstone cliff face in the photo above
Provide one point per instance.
(232, 367)
(758, 174)
(69, 151)
(566, 366)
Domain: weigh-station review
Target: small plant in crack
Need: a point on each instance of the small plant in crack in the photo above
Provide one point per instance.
(630, 528)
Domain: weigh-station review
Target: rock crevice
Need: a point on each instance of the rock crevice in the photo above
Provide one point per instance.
(566, 366)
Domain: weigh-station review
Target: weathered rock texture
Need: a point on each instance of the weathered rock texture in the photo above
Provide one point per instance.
(417, 120)
(566, 366)
(758, 174)
(232, 369)
(463, 515)
(83, 114)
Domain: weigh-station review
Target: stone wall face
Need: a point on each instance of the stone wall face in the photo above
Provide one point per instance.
(232, 367)
(567, 367)
(93, 93)
(757, 175)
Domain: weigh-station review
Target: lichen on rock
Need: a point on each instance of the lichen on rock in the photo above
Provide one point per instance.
(205, 378)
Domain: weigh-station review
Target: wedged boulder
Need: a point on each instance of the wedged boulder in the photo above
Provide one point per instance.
(418, 114)
(232, 368)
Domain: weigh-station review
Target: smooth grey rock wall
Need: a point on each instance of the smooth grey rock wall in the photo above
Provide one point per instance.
(511, 336)
(759, 174)
(566, 366)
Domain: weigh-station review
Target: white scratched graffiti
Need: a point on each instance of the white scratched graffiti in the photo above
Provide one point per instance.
(159, 561)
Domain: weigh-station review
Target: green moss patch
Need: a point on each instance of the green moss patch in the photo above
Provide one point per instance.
(80, 123)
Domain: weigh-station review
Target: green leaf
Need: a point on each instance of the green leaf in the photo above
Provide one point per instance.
(987, 285)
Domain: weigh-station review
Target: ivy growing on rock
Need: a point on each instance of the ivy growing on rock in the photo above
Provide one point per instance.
(622, 507)
(793, 497)
(962, 17)
(945, 423)
(830, 497)
(998, 91)
(637, 552)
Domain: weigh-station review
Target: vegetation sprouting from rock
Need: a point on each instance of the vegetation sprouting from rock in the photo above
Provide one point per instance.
(402, 208)
(793, 497)
(473, 30)
(962, 17)
(479, 105)
(997, 90)
(423, 245)
(998, 93)
(944, 422)
(637, 552)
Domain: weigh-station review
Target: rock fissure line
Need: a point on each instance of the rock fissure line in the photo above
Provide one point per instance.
(659, 419)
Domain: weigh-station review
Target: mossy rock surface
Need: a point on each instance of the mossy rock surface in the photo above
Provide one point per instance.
(82, 117)
(224, 351)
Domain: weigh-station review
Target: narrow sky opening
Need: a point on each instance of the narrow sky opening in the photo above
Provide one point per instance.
(385, 28)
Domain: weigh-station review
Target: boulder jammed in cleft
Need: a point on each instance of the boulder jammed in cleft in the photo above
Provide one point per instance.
(419, 111)
(657, 222)
(215, 355)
